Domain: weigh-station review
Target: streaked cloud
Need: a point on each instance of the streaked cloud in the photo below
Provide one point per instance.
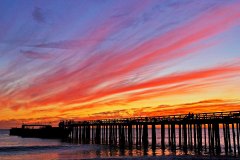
(116, 58)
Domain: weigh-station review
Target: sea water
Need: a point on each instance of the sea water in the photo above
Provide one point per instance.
(16, 148)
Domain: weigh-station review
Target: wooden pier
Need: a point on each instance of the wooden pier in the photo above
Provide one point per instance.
(40, 131)
(198, 132)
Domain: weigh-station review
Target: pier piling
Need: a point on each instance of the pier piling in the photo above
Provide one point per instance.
(198, 132)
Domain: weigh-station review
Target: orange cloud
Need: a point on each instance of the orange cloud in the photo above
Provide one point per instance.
(212, 105)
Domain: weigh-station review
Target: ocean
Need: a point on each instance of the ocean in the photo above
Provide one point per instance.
(17, 148)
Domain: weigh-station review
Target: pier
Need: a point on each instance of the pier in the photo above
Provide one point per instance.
(200, 132)
(40, 131)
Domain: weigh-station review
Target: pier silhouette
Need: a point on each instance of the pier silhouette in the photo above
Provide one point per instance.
(199, 132)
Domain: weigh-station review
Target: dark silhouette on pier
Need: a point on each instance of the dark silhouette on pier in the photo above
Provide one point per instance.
(40, 131)
(198, 132)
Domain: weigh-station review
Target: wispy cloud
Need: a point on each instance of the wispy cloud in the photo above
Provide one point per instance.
(35, 55)
(118, 57)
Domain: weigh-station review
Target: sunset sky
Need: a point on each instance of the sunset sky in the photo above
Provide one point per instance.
(113, 58)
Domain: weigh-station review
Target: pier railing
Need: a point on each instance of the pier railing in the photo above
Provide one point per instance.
(160, 119)
(199, 132)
